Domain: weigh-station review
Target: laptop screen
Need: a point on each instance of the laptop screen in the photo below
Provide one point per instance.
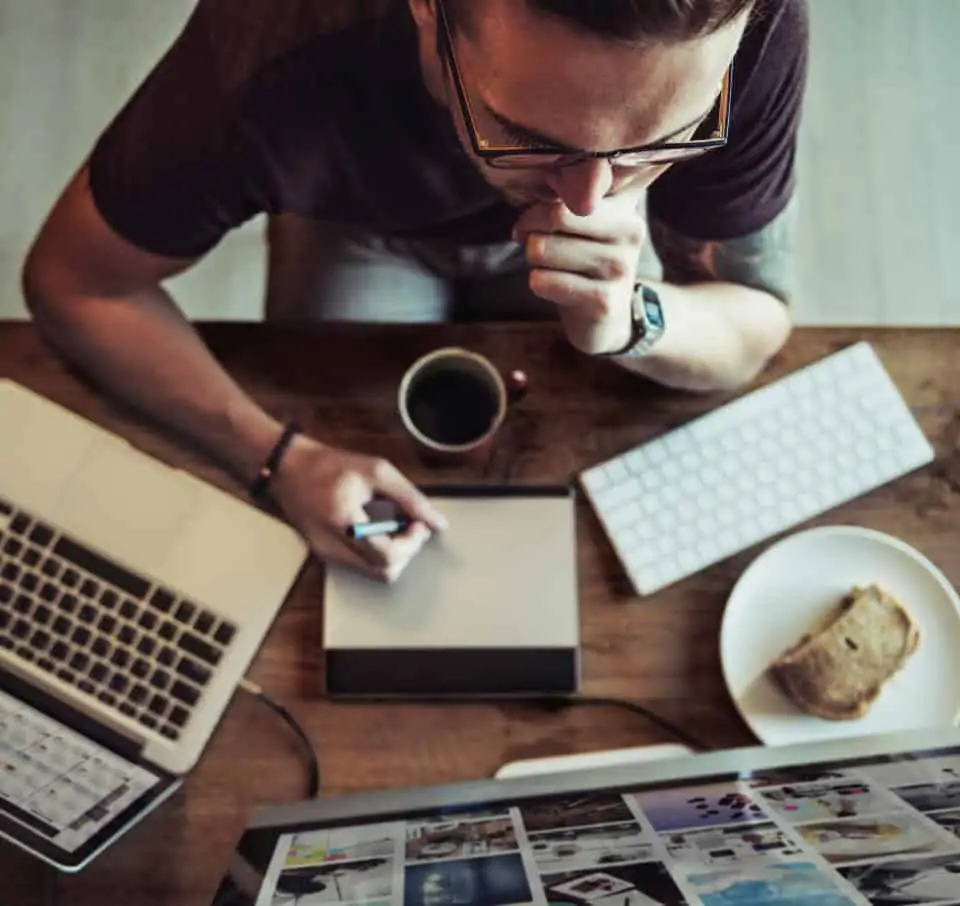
(879, 829)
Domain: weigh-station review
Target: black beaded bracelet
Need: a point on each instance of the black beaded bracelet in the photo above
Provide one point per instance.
(269, 468)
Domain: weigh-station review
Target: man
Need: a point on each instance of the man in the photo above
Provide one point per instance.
(427, 140)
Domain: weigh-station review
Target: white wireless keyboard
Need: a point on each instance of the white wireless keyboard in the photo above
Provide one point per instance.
(761, 464)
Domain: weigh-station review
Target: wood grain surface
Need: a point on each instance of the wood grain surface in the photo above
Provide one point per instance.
(340, 382)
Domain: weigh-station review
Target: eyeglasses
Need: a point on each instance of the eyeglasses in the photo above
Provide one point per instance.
(524, 156)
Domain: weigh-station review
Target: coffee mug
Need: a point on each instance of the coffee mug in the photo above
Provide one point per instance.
(453, 401)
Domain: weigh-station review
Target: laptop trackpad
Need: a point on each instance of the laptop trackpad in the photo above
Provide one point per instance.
(126, 504)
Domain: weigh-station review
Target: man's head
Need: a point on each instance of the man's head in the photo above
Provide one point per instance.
(593, 76)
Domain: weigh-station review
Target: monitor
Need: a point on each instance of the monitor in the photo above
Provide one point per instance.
(872, 820)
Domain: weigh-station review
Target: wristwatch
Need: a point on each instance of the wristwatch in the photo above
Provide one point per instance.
(648, 323)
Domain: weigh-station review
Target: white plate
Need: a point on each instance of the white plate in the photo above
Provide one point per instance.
(792, 585)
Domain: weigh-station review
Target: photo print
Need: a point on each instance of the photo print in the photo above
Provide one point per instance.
(836, 799)
(948, 821)
(640, 884)
(489, 881)
(575, 811)
(861, 839)
(457, 840)
(723, 847)
(344, 844)
(589, 847)
(706, 806)
(786, 884)
(930, 797)
(913, 881)
(914, 771)
(336, 882)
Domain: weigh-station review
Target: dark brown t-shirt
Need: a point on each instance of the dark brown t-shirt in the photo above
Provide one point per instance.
(318, 108)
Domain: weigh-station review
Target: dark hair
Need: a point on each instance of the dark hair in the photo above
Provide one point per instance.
(634, 20)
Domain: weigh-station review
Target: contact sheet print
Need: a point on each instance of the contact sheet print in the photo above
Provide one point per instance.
(880, 834)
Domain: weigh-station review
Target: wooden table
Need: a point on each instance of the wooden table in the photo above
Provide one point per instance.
(340, 383)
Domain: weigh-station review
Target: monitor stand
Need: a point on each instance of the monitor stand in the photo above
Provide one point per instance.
(605, 759)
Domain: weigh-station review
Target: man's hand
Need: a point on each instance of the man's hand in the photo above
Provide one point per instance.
(587, 266)
(323, 490)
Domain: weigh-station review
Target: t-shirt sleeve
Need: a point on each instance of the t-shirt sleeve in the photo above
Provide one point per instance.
(741, 188)
(176, 169)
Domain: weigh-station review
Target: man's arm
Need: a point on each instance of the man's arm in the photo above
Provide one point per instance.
(726, 306)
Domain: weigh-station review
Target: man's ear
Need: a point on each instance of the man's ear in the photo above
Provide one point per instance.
(424, 14)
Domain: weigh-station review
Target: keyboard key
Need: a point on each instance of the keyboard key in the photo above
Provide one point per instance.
(20, 524)
(6, 594)
(148, 720)
(128, 609)
(32, 557)
(170, 732)
(10, 572)
(99, 672)
(41, 534)
(51, 568)
(160, 680)
(205, 622)
(167, 657)
(120, 658)
(109, 599)
(148, 620)
(59, 651)
(6, 509)
(119, 683)
(70, 578)
(68, 604)
(128, 709)
(200, 648)
(27, 653)
(147, 645)
(140, 668)
(108, 698)
(46, 664)
(42, 615)
(40, 640)
(88, 613)
(193, 671)
(5, 618)
(139, 694)
(185, 612)
(184, 693)
(168, 631)
(162, 600)
(100, 646)
(6, 642)
(107, 624)
(21, 629)
(29, 581)
(12, 546)
(127, 635)
(80, 662)
(158, 705)
(49, 592)
(89, 588)
(179, 716)
(86, 559)
(87, 686)
(68, 676)
(224, 634)
(23, 604)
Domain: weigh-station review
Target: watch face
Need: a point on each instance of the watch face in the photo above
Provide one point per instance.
(654, 313)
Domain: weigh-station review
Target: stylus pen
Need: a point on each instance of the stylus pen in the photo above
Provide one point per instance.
(360, 530)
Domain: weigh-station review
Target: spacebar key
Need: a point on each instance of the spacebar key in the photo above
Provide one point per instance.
(93, 563)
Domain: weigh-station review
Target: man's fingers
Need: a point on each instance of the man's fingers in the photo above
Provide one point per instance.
(416, 505)
(397, 551)
(607, 224)
(571, 291)
(602, 261)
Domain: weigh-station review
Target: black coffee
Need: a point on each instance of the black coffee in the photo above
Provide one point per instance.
(451, 406)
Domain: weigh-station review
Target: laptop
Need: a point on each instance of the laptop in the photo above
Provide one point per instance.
(133, 598)
(859, 821)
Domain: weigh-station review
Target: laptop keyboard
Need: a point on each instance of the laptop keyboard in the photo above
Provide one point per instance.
(138, 647)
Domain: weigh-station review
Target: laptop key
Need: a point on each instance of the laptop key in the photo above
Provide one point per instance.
(12, 546)
(6, 508)
(168, 631)
(162, 600)
(179, 716)
(22, 604)
(46, 664)
(139, 694)
(80, 662)
(148, 620)
(40, 640)
(193, 671)
(61, 626)
(184, 693)
(20, 524)
(59, 651)
(70, 578)
(27, 653)
(119, 683)
(100, 646)
(147, 645)
(6, 642)
(68, 676)
(170, 732)
(200, 648)
(81, 636)
(88, 613)
(109, 598)
(89, 588)
(160, 680)
(42, 615)
(224, 634)
(10, 572)
(5, 618)
(128, 609)
(87, 686)
(148, 720)
(108, 698)
(120, 658)
(205, 622)
(99, 672)
(86, 559)
(128, 709)
(68, 604)
(32, 557)
(21, 629)
(6, 594)
(185, 612)
(49, 592)
(107, 624)
(158, 705)
(41, 534)
(167, 657)
(51, 568)
(140, 668)
(29, 581)
(127, 635)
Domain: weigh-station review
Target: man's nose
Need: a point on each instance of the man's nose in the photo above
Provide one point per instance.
(582, 186)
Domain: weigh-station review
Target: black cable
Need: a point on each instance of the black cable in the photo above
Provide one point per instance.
(562, 704)
(313, 781)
